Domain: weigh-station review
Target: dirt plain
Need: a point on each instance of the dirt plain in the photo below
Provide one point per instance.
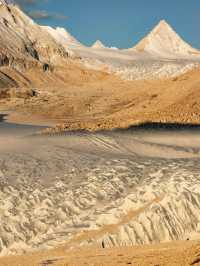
(170, 254)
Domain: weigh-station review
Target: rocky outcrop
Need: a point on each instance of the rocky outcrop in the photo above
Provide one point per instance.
(6, 82)
(64, 38)
(9, 93)
(24, 43)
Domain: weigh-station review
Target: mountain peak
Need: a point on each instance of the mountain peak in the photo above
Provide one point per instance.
(163, 26)
(163, 23)
(98, 44)
(164, 41)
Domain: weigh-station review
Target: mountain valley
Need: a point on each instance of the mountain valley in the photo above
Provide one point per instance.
(99, 148)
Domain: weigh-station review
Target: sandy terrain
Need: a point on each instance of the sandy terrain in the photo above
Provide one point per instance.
(170, 254)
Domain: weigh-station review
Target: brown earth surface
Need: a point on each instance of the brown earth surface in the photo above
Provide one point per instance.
(171, 254)
(78, 98)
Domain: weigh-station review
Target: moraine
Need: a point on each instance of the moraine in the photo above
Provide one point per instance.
(56, 187)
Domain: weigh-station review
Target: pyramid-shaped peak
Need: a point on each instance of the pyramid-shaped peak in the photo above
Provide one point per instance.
(164, 41)
(163, 25)
(98, 44)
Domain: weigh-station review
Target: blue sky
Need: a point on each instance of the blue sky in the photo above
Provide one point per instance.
(118, 23)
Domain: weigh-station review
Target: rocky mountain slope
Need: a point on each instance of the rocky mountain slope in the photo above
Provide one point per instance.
(63, 37)
(95, 100)
(23, 43)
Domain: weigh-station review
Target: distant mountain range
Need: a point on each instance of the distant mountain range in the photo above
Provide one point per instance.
(24, 45)
(21, 39)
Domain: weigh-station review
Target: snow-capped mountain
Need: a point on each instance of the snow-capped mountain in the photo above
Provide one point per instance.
(98, 45)
(163, 41)
(62, 36)
(23, 42)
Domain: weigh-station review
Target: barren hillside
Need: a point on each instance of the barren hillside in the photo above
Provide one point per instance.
(87, 99)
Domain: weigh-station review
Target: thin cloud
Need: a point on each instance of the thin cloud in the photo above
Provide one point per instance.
(41, 14)
(28, 6)
(26, 2)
